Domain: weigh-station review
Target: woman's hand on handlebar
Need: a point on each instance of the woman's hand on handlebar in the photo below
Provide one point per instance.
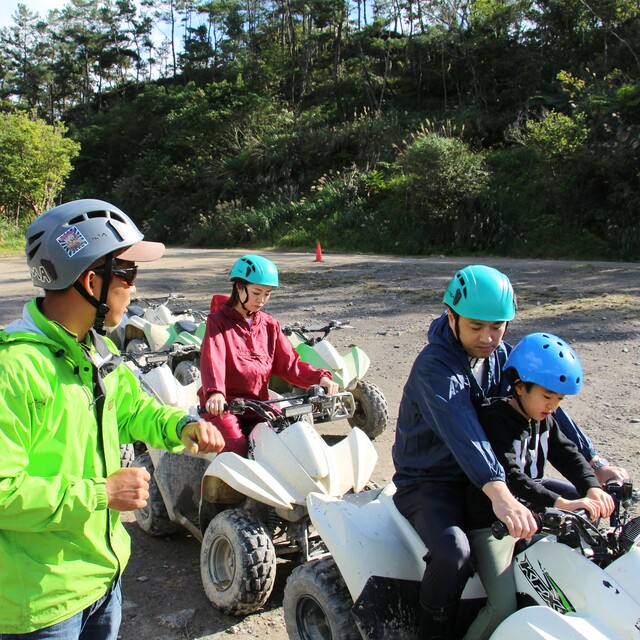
(216, 404)
(331, 386)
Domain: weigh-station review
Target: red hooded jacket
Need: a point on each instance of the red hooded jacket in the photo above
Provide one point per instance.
(237, 358)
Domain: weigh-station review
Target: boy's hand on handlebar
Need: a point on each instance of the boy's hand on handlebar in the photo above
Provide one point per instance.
(331, 386)
(202, 437)
(604, 499)
(216, 404)
(597, 503)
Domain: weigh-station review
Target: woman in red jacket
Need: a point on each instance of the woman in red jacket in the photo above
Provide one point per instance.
(243, 347)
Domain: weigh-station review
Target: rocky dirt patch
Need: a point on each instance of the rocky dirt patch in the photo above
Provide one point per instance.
(390, 303)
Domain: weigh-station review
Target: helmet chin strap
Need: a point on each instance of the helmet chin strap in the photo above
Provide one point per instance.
(516, 395)
(102, 308)
(249, 313)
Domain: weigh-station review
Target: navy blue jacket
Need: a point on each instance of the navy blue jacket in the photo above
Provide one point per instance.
(438, 435)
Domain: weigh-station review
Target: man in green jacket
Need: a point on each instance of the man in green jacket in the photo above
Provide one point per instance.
(66, 404)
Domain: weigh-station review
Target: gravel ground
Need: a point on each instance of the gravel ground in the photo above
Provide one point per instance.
(390, 303)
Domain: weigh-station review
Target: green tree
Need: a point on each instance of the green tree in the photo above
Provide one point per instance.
(35, 160)
(439, 179)
(22, 49)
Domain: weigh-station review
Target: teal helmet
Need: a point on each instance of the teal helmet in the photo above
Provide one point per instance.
(481, 293)
(256, 270)
(547, 360)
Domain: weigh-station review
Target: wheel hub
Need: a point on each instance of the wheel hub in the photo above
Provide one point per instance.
(312, 620)
(222, 564)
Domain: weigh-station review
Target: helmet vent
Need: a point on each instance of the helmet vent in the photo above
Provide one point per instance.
(34, 250)
(250, 267)
(34, 244)
(76, 220)
(117, 233)
(563, 378)
(462, 292)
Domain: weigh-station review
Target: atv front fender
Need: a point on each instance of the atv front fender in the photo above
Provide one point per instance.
(356, 365)
(325, 357)
(250, 479)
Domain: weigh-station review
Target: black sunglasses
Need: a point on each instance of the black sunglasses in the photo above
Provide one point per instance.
(128, 274)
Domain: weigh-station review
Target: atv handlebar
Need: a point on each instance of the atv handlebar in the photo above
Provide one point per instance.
(575, 527)
(301, 330)
(313, 400)
(550, 521)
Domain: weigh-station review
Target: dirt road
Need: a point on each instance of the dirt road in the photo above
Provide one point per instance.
(390, 302)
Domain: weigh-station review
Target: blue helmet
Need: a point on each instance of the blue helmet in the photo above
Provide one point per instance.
(546, 360)
(482, 293)
(255, 269)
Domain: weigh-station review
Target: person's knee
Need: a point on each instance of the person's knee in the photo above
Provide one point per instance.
(237, 445)
(454, 549)
(234, 439)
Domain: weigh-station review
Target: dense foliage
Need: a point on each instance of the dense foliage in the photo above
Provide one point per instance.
(35, 160)
(407, 126)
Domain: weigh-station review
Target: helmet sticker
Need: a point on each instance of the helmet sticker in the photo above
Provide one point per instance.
(72, 241)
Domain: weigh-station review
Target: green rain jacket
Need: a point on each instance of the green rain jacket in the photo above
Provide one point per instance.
(60, 546)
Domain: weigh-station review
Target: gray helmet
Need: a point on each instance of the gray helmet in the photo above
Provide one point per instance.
(66, 240)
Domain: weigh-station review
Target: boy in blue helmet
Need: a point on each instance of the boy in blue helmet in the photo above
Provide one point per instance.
(243, 347)
(441, 451)
(524, 434)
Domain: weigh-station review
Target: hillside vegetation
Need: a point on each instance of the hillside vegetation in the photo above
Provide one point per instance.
(413, 127)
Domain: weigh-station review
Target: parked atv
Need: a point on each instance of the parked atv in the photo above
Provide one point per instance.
(584, 582)
(249, 511)
(156, 328)
(371, 414)
(348, 370)
(157, 379)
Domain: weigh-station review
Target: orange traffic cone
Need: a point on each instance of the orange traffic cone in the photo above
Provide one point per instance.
(318, 252)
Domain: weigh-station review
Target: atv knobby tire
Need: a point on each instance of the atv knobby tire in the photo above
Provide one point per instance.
(372, 412)
(237, 562)
(317, 604)
(154, 518)
(127, 455)
(186, 372)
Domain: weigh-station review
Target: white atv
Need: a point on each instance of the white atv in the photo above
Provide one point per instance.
(574, 581)
(156, 378)
(157, 329)
(347, 370)
(249, 511)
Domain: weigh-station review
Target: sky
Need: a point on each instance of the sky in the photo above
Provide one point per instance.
(9, 7)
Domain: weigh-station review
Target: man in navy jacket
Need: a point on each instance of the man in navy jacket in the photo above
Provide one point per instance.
(440, 446)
